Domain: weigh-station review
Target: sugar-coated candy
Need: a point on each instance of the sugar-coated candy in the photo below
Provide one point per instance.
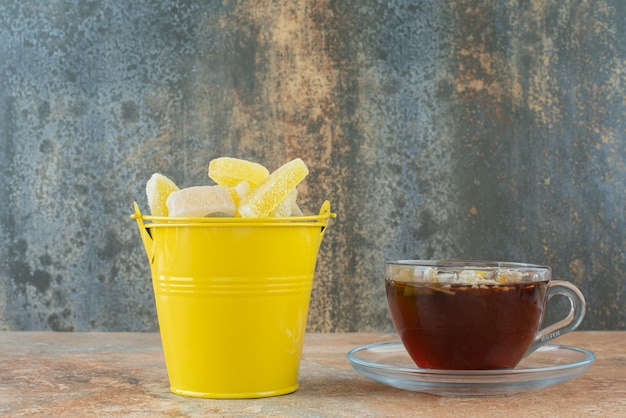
(158, 190)
(239, 191)
(201, 201)
(285, 208)
(229, 172)
(263, 200)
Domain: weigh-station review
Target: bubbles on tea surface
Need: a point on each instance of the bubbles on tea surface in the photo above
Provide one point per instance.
(469, 276)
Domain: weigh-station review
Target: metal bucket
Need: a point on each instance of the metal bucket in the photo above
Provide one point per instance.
(232, 298)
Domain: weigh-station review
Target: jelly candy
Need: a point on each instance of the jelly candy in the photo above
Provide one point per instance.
(263, 200)
(201, 201)
(285, 208)
(239, 192)
(158, 190)
(229, 172)
(243, 189)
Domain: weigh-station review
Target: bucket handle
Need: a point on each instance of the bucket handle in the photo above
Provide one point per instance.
(325, 214)
(148, 242)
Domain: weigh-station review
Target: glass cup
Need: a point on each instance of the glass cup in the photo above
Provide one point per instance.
(475, 315)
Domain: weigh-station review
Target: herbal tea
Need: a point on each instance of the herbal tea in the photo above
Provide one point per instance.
(464, 326)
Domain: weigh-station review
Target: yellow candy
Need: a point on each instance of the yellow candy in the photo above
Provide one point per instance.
(263, 200)
(229, 172)
(239, 191)
(285, 208)
(158, 190)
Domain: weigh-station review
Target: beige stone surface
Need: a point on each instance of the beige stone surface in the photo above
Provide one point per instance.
(123, 374)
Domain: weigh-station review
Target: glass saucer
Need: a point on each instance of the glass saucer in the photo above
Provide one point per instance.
(551, 364)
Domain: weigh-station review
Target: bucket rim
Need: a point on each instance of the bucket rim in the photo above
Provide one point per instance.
(165, 221)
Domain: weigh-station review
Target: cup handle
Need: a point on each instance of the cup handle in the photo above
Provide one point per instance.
(570, 322)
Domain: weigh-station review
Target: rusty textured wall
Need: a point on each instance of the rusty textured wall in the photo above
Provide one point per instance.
(458, 129)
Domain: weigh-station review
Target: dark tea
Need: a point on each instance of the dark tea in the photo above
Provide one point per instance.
(465, 326)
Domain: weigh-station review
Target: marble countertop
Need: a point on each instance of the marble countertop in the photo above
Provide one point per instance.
(123, 374)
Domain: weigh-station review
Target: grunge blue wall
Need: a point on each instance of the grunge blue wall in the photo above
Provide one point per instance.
(488, 129)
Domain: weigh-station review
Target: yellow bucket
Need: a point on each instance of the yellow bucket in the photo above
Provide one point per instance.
(232, 298)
